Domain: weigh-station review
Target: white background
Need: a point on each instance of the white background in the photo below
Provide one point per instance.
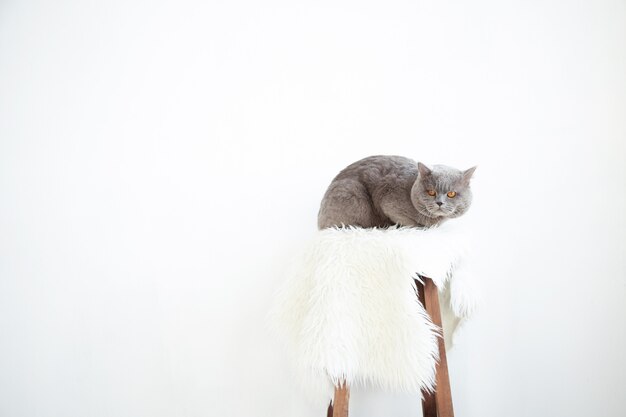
(159, 161)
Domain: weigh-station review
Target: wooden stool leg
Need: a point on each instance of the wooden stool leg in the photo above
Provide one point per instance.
(339, 406)
(438, 404)
(429, 404)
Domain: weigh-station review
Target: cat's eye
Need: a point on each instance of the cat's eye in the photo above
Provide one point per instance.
(432, 193)
(451, 194)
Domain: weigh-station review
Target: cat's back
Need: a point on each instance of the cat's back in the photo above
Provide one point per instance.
(379, 168)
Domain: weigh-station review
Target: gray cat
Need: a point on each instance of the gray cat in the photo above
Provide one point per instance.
(382, 191)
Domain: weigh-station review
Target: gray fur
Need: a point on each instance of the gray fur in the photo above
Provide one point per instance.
(382, 191)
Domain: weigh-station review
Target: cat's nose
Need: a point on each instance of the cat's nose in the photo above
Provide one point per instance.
(439, 203)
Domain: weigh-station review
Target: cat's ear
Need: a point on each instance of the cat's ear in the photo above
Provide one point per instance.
(467, 174)
(423, 170)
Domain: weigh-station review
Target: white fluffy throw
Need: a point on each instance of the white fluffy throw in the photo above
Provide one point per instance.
(349, 311)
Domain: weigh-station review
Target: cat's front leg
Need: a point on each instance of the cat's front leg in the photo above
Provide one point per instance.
(396, 215)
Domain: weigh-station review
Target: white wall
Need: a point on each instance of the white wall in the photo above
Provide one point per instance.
(160, 160)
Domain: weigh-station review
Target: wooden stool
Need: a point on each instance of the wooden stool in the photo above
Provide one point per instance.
(436, 404)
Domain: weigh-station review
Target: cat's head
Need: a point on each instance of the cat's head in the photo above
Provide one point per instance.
(442, 191)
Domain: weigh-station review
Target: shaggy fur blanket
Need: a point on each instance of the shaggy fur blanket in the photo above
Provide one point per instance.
(348, 310)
